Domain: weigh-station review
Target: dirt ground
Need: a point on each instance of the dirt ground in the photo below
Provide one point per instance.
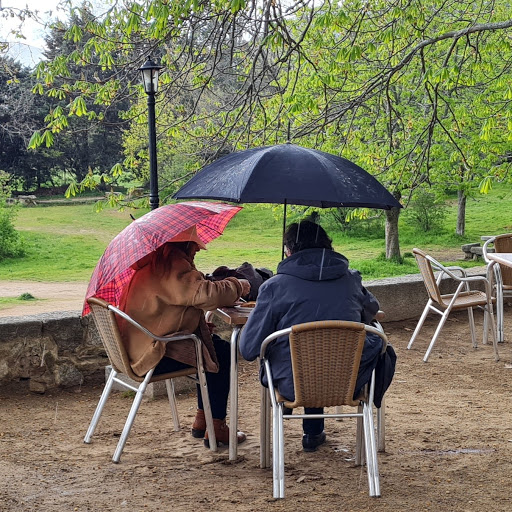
(448, 444)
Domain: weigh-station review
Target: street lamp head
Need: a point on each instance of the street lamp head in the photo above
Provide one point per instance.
(149, 71)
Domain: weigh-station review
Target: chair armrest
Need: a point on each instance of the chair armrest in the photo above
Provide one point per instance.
(484, 248)
(465, 278)
(380, 315)
(377, 329)
(457, 269)
(177, 336)
(272, 337)
(171, 337)
(449, 271)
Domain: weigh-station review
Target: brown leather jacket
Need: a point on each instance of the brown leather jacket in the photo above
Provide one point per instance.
(169, 303)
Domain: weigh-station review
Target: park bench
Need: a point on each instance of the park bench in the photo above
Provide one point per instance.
(27, 200)
(474, 251)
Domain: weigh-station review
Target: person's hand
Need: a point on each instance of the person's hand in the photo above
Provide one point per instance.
(246, 287)
(211, 327)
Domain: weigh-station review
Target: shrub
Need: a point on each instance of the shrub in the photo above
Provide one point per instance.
(11, 245)
(26, 296)
(365, 223)
(426, 211)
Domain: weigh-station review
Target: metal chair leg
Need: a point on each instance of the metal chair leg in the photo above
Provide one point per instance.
(99, 408)
(381, 427)
(472, 327)
(171, 395)
(131, 417)
(499, 301)
(420, 324)
(265, 428)
(493, 331)
(359, 458)
(276, 453)
(207, 409)
(371, 451)
(280, 453)
(444, 316)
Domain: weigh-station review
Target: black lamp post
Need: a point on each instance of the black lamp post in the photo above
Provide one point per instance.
(149, 73)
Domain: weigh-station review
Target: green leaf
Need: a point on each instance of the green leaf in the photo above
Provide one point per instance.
(117, 170)
(78, 107)
(35, 141)
(72, 190)
(47, 138)
(485, 185)
(38, 89)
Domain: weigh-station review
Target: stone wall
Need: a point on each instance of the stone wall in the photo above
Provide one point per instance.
(58, 349)
(62, 349)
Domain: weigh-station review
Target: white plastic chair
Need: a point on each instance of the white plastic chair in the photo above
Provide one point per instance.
(325, 363)
(463, 298)
(103, 314)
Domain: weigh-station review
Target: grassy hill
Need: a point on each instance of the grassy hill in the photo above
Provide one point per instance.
(64, 243)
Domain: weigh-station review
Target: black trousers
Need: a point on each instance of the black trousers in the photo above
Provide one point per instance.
(218, 383)
(315, 426)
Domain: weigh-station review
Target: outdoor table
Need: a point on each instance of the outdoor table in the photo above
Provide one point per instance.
(237, 319)
(503, 258)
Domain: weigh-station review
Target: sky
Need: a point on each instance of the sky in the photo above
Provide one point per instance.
(28, 51)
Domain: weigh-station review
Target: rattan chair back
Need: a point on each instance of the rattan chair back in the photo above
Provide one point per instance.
(106, 324)
(503, 243)
(428, 276)
(325, 361)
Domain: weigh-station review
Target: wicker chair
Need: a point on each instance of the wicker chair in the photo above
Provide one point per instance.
(325, 362)
(463, 298)
(499, 276)
(104, 315)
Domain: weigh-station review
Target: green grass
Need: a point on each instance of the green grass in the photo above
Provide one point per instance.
(65, 242)
(6, 302)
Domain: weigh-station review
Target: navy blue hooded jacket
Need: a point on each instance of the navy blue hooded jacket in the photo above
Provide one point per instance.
(310, 285)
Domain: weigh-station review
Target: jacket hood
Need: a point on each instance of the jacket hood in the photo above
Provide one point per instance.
(314, 265)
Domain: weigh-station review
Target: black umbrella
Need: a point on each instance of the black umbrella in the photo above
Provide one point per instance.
(288, 174)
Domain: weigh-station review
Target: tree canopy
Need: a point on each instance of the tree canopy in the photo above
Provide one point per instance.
(416, 91)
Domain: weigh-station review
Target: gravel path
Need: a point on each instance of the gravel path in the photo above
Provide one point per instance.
(49, 297)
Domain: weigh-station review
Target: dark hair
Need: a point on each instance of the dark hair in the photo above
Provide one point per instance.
(306, 235)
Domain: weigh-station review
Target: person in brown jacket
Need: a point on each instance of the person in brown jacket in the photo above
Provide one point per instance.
(167, 294)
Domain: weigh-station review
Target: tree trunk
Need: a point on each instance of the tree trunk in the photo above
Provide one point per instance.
(392, 240)
(461, 213)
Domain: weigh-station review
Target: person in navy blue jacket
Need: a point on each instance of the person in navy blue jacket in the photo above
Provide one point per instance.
(312, 283)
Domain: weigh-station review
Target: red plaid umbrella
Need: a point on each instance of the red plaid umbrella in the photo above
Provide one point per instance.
(146, 234)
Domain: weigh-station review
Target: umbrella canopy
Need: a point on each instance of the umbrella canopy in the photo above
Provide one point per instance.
(288, 174)
(146, 234)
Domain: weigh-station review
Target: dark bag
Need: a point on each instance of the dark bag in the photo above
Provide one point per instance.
(255, 276)
(384, 365)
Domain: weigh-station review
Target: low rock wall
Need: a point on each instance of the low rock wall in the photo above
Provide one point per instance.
(58, 349)
(63, 349)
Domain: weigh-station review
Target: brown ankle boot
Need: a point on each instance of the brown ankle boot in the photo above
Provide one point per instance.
(222, 434)
(199, 425)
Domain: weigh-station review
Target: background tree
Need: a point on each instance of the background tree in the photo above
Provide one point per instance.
(384, 83)
(93, 136)
(20, 114)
